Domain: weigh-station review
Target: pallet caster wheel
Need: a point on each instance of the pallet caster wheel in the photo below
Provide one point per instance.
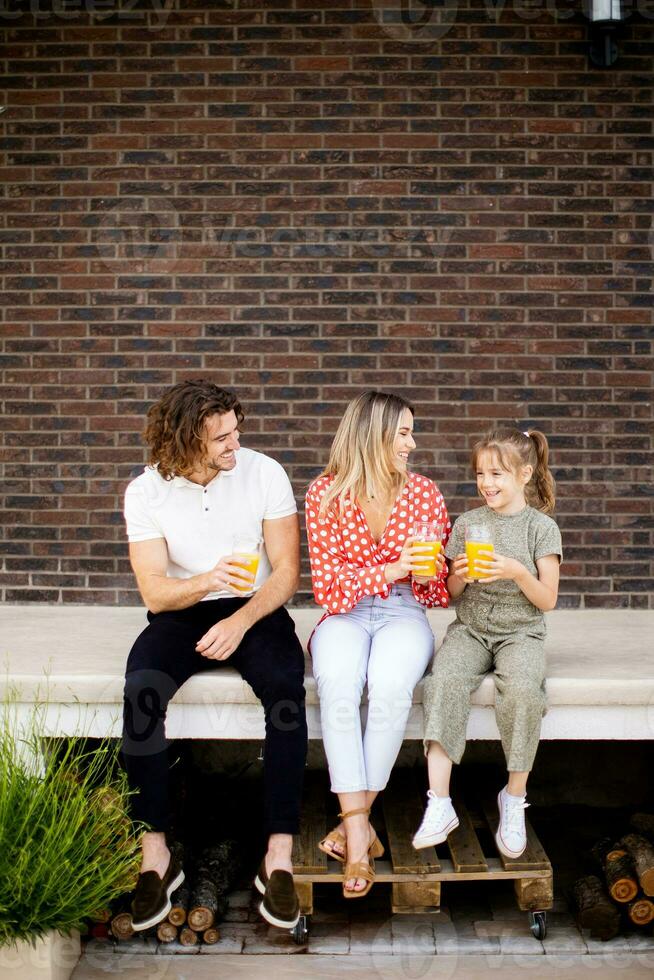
(538, 924)
(300, 932)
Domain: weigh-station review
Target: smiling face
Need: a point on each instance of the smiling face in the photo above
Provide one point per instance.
(221, 443)
(502, 489)
(404, 442)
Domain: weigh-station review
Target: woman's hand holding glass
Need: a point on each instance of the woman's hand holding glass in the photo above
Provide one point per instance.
(404, 565)
(427, 545)
(411, 562)
(438, 560)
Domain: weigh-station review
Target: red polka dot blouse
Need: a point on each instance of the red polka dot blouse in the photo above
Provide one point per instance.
(348, 564)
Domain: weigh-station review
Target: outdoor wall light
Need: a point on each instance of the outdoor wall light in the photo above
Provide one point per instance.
(605, 17)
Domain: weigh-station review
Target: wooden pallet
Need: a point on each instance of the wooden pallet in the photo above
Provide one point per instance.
(416, 876)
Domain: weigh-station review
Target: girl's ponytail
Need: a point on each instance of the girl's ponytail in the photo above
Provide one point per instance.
(542, 482)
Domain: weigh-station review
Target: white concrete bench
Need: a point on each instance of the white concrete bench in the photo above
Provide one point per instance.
(600, 676)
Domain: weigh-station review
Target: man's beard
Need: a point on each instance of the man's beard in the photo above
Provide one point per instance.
(218, 465)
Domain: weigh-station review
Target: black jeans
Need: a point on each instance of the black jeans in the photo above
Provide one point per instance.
(269, 658)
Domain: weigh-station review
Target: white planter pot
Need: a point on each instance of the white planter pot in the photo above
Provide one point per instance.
(54, 957)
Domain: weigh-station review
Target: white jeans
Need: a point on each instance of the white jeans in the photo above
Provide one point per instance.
(389, 644)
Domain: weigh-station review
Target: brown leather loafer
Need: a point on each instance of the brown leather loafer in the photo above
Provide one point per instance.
(280, 906)
(151, 902)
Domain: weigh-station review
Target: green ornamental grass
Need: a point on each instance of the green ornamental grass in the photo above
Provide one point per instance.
(67, 846)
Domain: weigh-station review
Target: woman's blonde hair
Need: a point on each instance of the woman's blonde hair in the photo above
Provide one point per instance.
(514, 449)
(361, 459)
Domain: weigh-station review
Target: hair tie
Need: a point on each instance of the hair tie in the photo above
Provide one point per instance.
(526, 434)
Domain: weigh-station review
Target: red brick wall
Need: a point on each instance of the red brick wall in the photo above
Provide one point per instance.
(303, 201)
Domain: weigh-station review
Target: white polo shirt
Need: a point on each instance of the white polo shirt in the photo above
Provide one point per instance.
(199, 524)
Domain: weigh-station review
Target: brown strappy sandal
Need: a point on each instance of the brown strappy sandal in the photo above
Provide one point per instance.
(376, 849)
(361, 869)
(335, 837)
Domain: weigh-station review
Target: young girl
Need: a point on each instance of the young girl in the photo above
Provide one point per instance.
(366, 574)
(499, 626)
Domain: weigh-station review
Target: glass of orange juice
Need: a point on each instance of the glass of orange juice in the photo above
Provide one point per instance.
(245, 553)
(478, 539)
(427, 543)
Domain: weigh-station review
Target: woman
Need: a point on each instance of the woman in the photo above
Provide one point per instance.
(365, 573)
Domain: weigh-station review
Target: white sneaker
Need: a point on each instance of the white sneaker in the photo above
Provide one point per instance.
(511, 836)
(439, 820)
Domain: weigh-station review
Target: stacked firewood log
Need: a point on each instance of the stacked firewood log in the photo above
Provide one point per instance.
(201, 901)
(620, 894)
(197, 906)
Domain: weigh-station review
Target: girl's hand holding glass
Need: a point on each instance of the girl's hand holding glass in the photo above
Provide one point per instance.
(460, 569)
(496, 567)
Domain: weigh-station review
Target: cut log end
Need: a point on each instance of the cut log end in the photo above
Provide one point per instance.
(200, 918)
(188, 937)
(179, 903)
(599, 851)
(210, 936)
(623, 890)
(121, 926)
(621, 878)
(641, 912)
(166, 932)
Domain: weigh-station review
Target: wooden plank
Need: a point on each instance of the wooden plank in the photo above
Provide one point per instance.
(403, 812)
(463, 843)
(534, 857)
(307, 858)
(304, 890)
(534, 894)
(385, 873)
(413, 897)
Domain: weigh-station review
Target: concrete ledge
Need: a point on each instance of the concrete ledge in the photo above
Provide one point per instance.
(600, 675)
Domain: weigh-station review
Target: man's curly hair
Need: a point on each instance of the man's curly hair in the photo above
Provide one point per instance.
(174, 431)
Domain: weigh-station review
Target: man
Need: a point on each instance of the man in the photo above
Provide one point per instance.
(200, 491)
